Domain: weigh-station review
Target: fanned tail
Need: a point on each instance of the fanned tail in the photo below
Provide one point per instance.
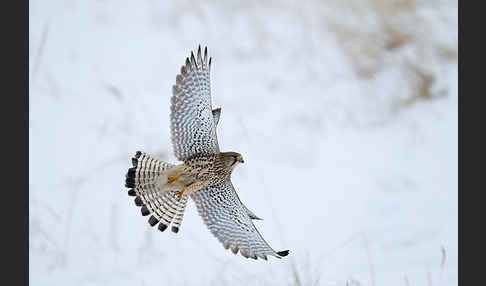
(144, 179)
(168, 208)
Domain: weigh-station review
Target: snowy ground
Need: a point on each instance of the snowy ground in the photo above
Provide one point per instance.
(345, 113)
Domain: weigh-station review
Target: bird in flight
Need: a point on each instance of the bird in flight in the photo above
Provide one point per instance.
(162, 189)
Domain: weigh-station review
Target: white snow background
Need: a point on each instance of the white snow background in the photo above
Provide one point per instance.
(345, 113)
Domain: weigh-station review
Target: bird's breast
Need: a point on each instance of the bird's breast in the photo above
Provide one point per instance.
(208, 172)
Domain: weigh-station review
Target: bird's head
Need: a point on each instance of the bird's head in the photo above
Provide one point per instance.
(232, 159)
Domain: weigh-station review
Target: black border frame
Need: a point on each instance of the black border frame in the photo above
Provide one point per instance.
(15, 134)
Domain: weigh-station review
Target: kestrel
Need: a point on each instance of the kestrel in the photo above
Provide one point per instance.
(162, 189)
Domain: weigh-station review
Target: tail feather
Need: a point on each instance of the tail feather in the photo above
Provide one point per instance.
(145, 170)
(163, 206)
(167, 212)
(179, 213)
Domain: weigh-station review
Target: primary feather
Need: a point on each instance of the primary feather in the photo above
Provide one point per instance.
(193, 128)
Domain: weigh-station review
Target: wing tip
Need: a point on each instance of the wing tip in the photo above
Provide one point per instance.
(193, 60)
(283, 253)
(254, 217)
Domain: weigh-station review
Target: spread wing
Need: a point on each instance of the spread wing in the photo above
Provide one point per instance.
(193, 127)
(227, 219)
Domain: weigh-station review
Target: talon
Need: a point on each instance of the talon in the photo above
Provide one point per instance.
(174, 178)
(180, 194)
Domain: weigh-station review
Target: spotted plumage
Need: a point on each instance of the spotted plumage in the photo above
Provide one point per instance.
(161, 190)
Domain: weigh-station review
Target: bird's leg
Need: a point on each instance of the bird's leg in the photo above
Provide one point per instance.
(174, 178)
(190, 188)
(180, 194)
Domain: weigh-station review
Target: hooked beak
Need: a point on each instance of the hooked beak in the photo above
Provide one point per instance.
(240, 159)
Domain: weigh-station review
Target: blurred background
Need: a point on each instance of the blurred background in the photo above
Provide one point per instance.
(345, 113)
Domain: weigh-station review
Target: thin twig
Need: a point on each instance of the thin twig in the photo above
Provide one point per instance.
(370, 262)
(295, 273)
(406, 281)
(442, 263)
(40, 50)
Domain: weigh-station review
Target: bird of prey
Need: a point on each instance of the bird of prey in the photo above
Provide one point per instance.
(162, 189)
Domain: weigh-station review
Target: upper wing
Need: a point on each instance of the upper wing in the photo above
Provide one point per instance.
(191, 120)
(227, 219)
